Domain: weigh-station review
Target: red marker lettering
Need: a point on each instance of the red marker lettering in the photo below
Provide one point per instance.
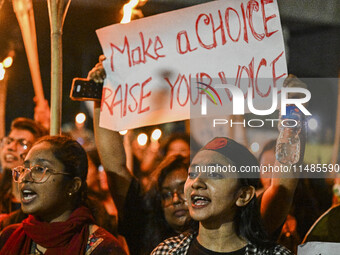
(275, 78)
(263, 62)
(156, 48)
(134, 99)
(187, 47)
(206, 22)
(228, 26)
(172, 87)
(266, 19)
(142, 97)
(245, 34)
(251, 7)
(104, 100)
(126, 46)
(183, 79)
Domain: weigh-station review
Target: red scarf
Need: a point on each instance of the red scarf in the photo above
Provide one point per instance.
(68, 237)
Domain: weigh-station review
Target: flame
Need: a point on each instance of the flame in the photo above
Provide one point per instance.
(2, 72)
(6, 63)
(129, 10)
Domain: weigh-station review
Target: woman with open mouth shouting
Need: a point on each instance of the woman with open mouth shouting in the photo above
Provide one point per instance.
(224, 203)
(52, 184)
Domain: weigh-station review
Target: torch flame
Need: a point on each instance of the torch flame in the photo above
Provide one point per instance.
(6, 63)
(127, 8)
(2, 72)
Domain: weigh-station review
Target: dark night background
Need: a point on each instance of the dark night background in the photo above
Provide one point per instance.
(314, 47)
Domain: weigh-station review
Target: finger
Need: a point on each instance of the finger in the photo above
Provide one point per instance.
(91, 74)
(288, 79)
(102, 58)
(293, 81)
(99, 65)
(100, 71)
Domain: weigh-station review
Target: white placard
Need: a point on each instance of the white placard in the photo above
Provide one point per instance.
(154, 65)
(319, 248)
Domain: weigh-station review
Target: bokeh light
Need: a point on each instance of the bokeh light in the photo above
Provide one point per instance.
(123, 132)
(156, 134)
(142, 139)
(80, 118)
(255, 147)
(8, 62)
(313, 124)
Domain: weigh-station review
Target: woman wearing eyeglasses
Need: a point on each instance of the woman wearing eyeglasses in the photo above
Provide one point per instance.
(166, 209)
(52, 185)
(224, 203)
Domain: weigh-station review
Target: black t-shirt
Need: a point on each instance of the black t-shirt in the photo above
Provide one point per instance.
(133, 224)
(197, 249)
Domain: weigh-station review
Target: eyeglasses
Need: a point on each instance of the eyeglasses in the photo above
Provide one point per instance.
(167, 196)
(23, 143)
(38, 174)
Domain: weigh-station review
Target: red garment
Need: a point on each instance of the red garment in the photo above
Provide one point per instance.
(69, 237)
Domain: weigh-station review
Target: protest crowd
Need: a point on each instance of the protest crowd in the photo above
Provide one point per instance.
(112, 193)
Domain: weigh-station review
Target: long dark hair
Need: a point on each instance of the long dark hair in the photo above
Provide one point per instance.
(6, 191)
(157, 228)
(248, 220)
(74, 159)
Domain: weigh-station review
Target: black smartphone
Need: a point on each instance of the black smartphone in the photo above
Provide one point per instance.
(86, 90)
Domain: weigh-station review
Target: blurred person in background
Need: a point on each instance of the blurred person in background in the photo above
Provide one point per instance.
(165, 206)
(101, 201)
(14, 147)
(175, 144)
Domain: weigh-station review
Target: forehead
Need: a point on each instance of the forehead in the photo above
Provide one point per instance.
(178, 143)
(40, 152)
(175, 177)
(208, 157)
(22, 134)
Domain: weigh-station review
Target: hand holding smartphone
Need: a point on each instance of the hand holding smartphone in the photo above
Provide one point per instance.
(86, 90)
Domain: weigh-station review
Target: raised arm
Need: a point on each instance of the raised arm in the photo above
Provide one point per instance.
(277, 199)
(111, 150)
